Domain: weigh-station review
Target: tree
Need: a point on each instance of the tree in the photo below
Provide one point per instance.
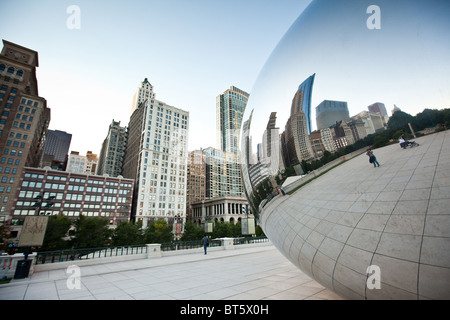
(192, 232)
(400, 120)
(127, 233)
(5, 235)
(158, 231)
(57, 229)
(91, 232)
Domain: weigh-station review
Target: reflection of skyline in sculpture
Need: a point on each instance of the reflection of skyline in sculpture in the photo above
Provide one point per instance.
(323, 227)
(277, 151)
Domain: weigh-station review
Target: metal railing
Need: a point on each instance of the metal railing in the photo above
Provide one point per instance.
(184, 245)
(96, 253)
(91, 253)
(247, 240)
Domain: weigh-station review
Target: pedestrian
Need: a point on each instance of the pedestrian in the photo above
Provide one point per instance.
(403, 142)
(205, 242)
(372, 158)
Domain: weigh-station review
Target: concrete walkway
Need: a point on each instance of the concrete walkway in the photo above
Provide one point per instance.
(252, 273)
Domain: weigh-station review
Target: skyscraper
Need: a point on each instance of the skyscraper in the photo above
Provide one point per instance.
(113, 150)
(328, 112)
(230, 107)
(296, 145)
(156, 158)
(196, 176)
(24, 120)
(56, 150)
(305, 105)
(143, 92)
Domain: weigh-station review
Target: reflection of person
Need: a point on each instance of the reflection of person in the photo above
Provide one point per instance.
(372, 158)
(402, 141)
(205, 242)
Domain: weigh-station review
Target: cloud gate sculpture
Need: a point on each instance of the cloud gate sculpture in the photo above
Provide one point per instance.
(363, 232)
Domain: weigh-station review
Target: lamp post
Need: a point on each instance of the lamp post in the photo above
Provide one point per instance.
(40, 201)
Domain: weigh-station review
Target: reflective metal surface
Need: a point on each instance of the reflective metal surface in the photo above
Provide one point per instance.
(355, 52)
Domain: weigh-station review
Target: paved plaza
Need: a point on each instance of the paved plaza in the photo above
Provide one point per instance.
(252, 273)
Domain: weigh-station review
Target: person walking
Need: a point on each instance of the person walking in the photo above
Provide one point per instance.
(205, 242)
(372, 158)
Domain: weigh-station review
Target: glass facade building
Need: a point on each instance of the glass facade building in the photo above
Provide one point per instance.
(306, 88)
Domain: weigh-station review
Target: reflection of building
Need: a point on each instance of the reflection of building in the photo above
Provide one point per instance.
(342, 130)
(24, 120)
(295, 140)
(56, 150)
(358, 130)
(156, 158)
(305, 105)
(113, 151)
(379, 108)
(271, 145)
(373, 122)
(230, 107)
(74, 195)
(329, 111)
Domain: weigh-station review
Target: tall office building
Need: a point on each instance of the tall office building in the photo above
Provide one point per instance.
(113, 150)
(143, 92)
(296, 145)
(328, 112)
(196, 179)
(378, 107)
(223, 175)
(271, 145)
(24, 120)
(156, 158)
(230, 107)
(305, 105)
(56, 150)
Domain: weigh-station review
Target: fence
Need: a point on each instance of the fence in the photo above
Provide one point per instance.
(91, 253)
(95, 253)
(185, 245)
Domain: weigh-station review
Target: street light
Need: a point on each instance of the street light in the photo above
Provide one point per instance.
(40, 201)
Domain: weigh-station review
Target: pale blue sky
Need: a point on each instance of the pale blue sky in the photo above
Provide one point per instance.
(190, 50)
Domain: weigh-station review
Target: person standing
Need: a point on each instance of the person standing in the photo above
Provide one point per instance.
(205, 242)
(372, 158)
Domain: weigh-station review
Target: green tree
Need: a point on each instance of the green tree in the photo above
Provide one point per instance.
(57, 229)
(158, 231)
(127, 233)
(91, 232)
(192, 232)
(399, 120)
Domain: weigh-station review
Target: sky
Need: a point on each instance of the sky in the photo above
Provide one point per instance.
(92, 60)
